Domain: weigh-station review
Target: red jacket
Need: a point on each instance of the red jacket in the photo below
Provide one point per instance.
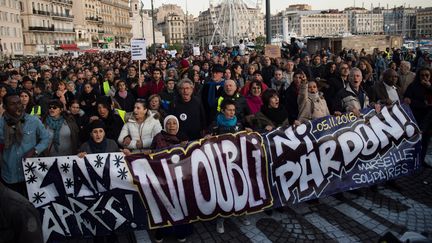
(154, 88)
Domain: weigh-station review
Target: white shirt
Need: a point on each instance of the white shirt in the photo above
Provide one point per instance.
(242, 49)
(392, 92)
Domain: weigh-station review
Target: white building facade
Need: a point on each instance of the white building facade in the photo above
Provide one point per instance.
(317, 23)
(11, 39)
(141, 23)
(47, 25)
(364, 22)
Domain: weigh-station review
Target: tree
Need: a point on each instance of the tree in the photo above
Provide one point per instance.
(260, 42)
(175, 46)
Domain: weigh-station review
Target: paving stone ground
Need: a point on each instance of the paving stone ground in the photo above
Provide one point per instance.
(364, 216)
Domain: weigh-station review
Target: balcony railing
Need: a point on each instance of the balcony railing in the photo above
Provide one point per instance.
(124, 25)
(97, 19)
(64, 30)
(62, 15)
(41, 12)
(40, 28)
(114, 3)
(63, 1)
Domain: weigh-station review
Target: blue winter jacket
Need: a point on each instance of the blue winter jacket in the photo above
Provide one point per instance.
(34, 136)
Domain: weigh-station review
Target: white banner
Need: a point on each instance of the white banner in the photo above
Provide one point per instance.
(138, 50)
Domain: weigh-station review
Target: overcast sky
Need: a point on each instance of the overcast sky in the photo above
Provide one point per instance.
(195, 6)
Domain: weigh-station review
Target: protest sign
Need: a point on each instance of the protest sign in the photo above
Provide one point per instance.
(196, 51)
(138, 50)
(84, 197)
(226, 175)
(222, 176)
(272, 51)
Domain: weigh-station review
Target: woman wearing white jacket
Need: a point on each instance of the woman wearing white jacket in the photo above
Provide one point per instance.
(137, 134)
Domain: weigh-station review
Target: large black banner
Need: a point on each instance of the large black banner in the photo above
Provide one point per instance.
(227, 175)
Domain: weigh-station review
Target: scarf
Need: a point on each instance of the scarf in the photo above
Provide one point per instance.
(55, 124)
(254, 103)
(212, 92)
(360, 95)
(276, 115)
(170, 139)
(13, 130)
(98, 147)
(314, 97)
(123, 94)
(222, 121)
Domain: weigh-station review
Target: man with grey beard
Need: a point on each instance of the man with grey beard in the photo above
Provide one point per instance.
(289, 71)
(406, 77)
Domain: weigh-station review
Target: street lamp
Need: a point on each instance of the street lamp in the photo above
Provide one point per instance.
(153, 25)
(268, 31)
(1, 50)
(142, 21)
(187, 23)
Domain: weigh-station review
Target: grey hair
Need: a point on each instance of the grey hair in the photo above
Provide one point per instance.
(408, 64)
(235, 83)
(183, 81)
(354, 70)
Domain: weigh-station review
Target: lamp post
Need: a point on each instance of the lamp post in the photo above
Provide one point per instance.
(142, 21)
(1, 50)
(268, 30)
(187, 23)
(153, 25)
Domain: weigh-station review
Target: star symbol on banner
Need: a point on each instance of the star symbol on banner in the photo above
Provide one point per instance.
(43, 167)
(122, 173)
(98, 161)
(118, 160)
(30, 167)
(69, 183)
(31, 179)
(65, 167)
(38, 196)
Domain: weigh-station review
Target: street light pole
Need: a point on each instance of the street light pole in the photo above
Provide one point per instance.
(142, 21)
(187, 23)
(1, 50)
(153, 25)
(268, 31)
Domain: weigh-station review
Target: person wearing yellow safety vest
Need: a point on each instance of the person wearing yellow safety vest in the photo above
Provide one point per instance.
(124, 98)
(113, 119)
(108, 88)
(388, 54)
(230, 92)
(28, 104)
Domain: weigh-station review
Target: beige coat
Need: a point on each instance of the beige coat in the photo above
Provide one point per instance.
(310, 108)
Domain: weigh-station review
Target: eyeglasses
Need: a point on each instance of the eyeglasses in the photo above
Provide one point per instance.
(53, 107)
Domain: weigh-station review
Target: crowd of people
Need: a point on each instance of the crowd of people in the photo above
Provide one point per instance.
(98, 102)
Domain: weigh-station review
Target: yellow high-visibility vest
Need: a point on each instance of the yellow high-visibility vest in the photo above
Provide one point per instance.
(220, 100)
(106, 87)
(122, 114)
(36, 110)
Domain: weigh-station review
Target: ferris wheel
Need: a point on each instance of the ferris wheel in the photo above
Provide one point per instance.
(233, 20)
